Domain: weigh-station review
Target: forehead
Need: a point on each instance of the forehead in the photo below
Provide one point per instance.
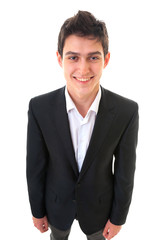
(82, 45)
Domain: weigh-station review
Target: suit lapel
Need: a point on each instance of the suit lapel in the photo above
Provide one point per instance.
(63, 129)
(103, 123)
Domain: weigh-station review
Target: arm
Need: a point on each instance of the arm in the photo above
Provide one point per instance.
(124, 168)
(37, 156)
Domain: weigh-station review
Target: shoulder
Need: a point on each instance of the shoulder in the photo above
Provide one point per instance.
(123, 108)
(46, 99)
(118, 101)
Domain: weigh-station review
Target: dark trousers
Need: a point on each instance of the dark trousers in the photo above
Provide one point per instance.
(57, 234)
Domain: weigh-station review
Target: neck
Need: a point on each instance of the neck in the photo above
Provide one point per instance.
(83, 102)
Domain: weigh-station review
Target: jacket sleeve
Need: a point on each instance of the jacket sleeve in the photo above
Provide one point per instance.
(36, 165)
(124, 169)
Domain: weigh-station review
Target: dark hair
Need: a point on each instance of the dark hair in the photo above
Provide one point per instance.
(83, 24)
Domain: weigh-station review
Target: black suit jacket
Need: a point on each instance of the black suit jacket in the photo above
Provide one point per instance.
(99, 192)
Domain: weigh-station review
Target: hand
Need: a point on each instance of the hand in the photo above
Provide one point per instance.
(41, 224)
(111, 230)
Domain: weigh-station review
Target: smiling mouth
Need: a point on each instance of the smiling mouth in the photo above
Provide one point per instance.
(83, 79)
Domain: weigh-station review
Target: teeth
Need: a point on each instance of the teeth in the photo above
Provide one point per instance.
(83, 79)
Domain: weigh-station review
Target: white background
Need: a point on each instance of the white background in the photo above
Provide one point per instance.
(28, 67)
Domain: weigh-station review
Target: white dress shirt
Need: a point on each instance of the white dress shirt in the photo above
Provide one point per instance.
(81, 128)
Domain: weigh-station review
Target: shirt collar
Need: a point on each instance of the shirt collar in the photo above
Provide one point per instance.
(94, 107)
(69, 102)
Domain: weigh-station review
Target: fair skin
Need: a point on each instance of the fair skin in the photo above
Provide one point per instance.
(41, 224)
(83, 62)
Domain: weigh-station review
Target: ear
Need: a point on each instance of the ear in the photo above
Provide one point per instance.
(59, 58)
(106, 60)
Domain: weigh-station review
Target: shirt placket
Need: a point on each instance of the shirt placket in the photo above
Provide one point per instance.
(82, 142)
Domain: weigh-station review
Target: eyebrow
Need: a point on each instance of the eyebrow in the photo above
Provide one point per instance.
(89, 54)
(95, 53)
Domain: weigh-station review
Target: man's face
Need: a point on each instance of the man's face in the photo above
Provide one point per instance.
(83, 62)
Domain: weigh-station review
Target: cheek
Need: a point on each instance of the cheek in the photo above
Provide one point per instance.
(67, 68)
(98, 69)
(68, 71)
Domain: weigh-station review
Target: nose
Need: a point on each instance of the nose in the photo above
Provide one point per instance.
(84, 67)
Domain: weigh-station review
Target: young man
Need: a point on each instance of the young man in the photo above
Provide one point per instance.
(74, 134)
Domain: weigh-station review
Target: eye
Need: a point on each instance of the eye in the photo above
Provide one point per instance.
(94, 58)
(73, 58)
